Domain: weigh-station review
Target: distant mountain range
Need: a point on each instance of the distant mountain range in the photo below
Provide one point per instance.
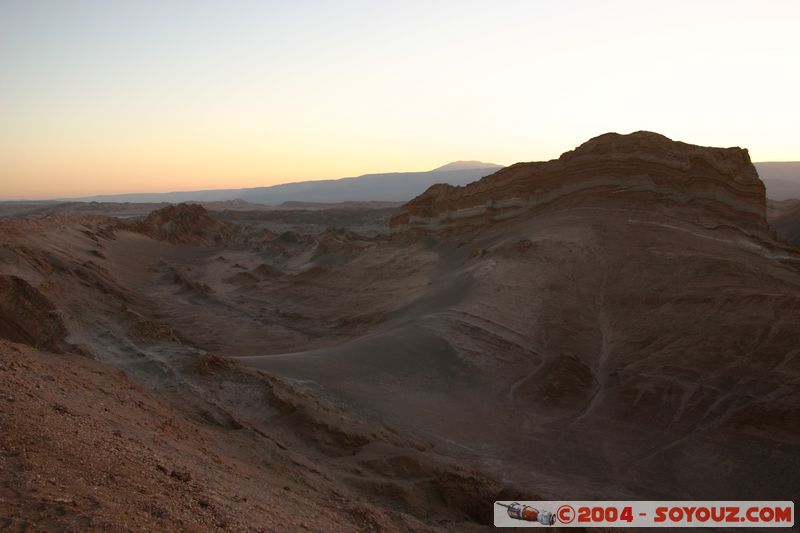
(466, 165)
(782, 180)
(389, 187)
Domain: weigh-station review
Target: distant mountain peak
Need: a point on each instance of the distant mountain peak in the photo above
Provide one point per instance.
(466, 165)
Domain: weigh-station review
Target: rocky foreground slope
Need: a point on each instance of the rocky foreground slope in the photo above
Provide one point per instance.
(618, 323)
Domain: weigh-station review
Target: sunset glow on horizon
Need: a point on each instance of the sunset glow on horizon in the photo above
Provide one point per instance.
(119, 97)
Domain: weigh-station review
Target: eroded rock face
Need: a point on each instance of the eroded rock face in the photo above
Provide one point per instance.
(641, 170)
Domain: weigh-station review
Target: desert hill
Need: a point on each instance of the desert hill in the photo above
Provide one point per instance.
(186, 224)
(616, 323)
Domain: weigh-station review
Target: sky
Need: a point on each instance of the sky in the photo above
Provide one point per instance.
(103, 97)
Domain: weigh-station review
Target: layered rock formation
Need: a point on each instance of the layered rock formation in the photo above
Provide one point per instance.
(642, 168)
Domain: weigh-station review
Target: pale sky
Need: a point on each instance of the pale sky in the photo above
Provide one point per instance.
(101, 97)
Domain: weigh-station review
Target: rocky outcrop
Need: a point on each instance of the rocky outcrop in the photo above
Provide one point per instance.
(642, 169)
(186, 224)
(28, 317)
